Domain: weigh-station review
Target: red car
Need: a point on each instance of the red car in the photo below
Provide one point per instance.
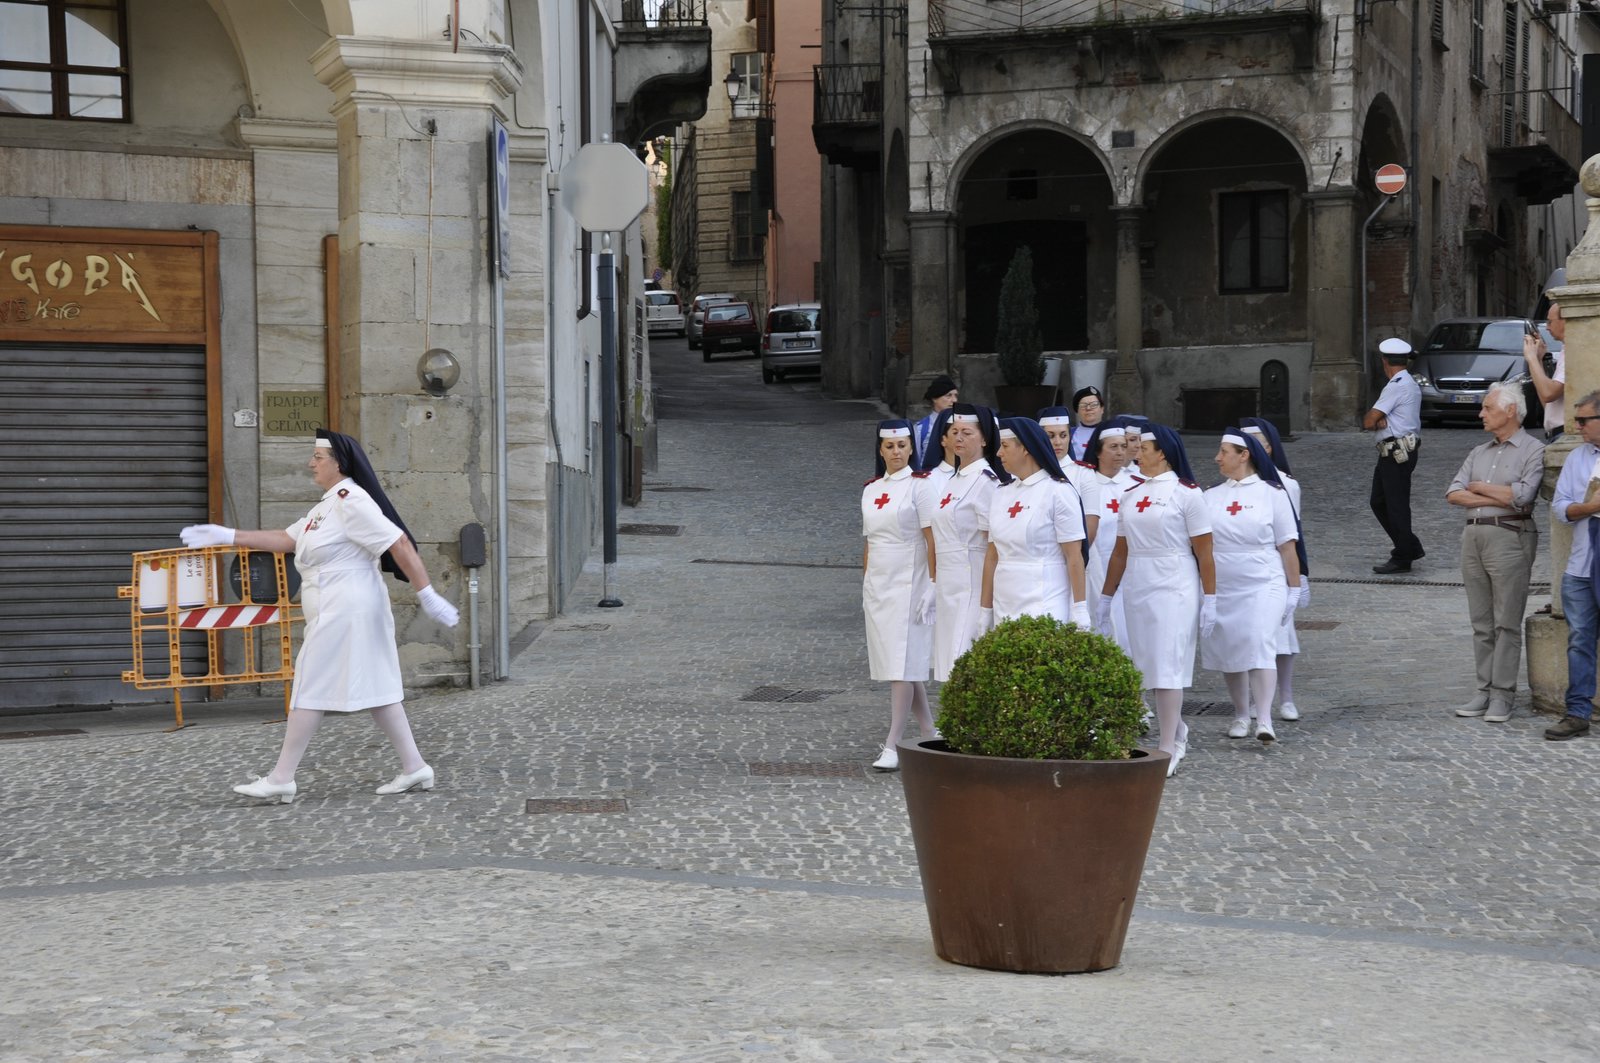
(729, 325)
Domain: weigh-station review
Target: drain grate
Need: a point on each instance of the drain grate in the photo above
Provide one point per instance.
(771, 564)
(779, 769)
(649, 529)
(584, 627)
(545, 806)
(57, 732)
(1359, 580)
(670, 488)
(1315, 625)
(774, 694)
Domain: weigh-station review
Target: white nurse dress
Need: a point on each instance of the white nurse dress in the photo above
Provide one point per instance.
(348, 660)
(958, 512)
(898, 648)
(1109, 490)
(1028, 521)
(1288, 641)
(1160, 589)
(1250, 519)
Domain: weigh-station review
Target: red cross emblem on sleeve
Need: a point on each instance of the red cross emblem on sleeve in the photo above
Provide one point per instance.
(1016, 507)
(945, 501)
(1144, 504)
(1233, 509)
(882, 500)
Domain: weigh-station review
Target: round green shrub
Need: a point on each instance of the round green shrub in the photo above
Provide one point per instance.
(1038, 689)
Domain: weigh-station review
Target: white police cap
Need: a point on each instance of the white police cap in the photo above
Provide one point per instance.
(1394, 345)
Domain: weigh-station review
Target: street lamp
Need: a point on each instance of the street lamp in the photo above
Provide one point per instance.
(734, 83)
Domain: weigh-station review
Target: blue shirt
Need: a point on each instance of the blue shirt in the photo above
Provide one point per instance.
(919, 435)
(1401, 403)
(1570, 489)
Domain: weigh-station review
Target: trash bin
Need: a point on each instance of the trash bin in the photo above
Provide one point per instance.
(1089, 373)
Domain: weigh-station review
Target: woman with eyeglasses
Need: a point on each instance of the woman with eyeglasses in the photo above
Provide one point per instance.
(1089, 407)
(1163, 566)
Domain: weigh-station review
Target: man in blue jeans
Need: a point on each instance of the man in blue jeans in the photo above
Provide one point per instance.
(1576, 501)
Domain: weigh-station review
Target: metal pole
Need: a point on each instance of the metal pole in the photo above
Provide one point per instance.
(472, 622)
(502, 518)
(608, 418)
(1366, 347)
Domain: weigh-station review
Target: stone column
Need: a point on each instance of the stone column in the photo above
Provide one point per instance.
(1332, 301)
(933, 302)
(1546, 634)
(413, 122)
(1126, 385)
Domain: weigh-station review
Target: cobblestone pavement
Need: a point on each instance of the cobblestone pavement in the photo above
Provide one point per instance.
(1387, 882)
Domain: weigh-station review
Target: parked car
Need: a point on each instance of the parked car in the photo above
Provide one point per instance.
(729, 325)
(791, 340)
(1461, 357)
(697, 313)
(663, 312)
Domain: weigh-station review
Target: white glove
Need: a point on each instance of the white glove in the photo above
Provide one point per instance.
(923, 614)
(1080, 614)
(1208, 615)
(435, 606)
(1290, 604)
(1104, 624)
(981, 626)
(198, 535)
(1305, 591)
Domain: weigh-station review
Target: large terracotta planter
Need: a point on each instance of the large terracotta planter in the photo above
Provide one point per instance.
(1030, 865)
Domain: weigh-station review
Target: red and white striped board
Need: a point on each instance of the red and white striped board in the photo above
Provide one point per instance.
(228, 616)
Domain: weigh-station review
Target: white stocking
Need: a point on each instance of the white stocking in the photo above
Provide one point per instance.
(1239, 692)
(1262, 680)
(901, 695)
(1285, 678)
(919, 706)
(297, 734)
(1169, 717)
(391, 720)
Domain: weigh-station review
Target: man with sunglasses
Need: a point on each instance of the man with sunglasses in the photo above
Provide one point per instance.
(1576, 501)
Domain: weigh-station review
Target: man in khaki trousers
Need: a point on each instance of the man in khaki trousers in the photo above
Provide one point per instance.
(1495, 488)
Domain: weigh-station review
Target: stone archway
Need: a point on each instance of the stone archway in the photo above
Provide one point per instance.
(1041, 188)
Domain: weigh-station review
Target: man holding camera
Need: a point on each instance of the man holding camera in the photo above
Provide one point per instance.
(1396, 423)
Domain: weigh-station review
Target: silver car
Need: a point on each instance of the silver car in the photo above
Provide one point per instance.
(1462, 357)
(791, 340)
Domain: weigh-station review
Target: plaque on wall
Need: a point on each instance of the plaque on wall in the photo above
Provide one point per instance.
(293, 413)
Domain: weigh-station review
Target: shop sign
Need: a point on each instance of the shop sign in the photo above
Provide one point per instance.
(80, 287)
(293, 413)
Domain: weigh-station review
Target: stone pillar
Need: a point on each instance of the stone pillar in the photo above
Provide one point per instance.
(1332, 302)
(933, 302)
(413, 122)
(1126, 385)
(1546, 634)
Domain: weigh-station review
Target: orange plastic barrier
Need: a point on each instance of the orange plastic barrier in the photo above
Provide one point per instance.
(179, 596)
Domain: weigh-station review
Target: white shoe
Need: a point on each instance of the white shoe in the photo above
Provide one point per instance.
(1177, 758)
(1288, 711)
(1264, 730)
(421, 779)
(282, 792)
(1240, 727)
(888, 761)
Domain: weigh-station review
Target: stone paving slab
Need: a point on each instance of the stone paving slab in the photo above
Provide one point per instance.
(500, 963)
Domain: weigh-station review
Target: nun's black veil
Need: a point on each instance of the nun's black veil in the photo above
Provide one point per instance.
(354, 464)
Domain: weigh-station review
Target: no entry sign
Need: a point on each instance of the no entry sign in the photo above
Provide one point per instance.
(1390, 179)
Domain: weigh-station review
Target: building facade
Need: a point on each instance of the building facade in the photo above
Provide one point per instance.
(1195, 181)
(225, 222)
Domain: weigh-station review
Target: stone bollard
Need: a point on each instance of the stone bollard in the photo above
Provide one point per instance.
(1545, 635)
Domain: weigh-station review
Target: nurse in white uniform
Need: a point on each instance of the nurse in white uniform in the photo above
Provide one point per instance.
(958, 514)
(1035, 561)
(1163, 568)
(1107, 450)
(1057, 425)
(1288, 641)
(347, 660)
(897, 593)
(1258, 579)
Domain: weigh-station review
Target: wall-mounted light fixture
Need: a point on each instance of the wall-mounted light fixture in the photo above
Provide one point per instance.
(438, 370)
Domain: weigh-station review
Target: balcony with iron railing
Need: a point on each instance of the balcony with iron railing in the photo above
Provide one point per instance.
(663, 66)
(847, 112)
(1540, 163)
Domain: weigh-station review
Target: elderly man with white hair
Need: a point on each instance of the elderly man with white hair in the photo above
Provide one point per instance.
(1495, 487)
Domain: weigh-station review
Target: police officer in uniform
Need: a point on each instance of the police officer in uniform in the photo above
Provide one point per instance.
(1396, 422)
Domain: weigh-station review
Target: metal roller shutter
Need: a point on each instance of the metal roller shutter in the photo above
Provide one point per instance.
(105, 454)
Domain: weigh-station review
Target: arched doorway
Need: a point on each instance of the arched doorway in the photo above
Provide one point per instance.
(1041, 189)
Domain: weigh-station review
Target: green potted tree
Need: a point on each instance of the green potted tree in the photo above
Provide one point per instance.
(1033, 811)
(1018, 346)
